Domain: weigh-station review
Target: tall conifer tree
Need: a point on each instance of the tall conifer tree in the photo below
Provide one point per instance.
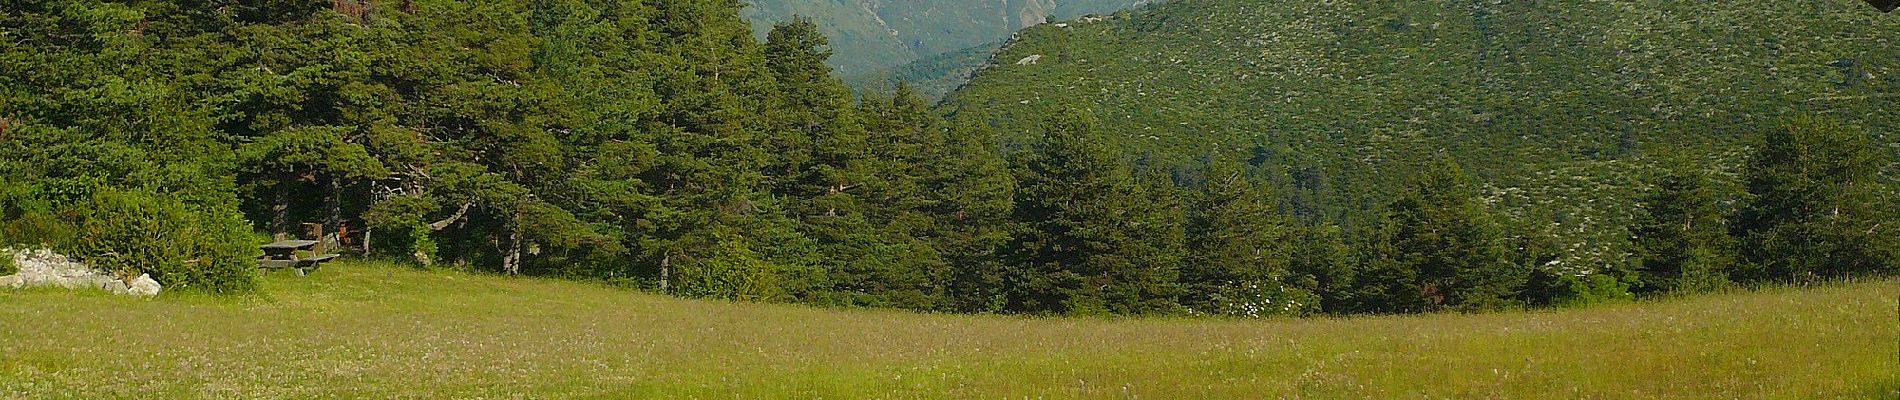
(1818, 207)
(1240, 249)
(1091, 239)
(1439, 249)
(1681, 235)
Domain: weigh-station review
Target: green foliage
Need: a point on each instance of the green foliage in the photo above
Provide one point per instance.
(322, 149)
(1240, 249)
(131, 233)
(7, 266)
(729, 270)
(1439, 249)
(1681, 237)
(1590, 289)
(421, 246)
(972, 189)
(108, 155)
(1092, 240)
(1324, 265)
(27, 217)
(1818, 206)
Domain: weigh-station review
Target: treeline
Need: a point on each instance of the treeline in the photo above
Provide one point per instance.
(656, 144)
(1091, 237)
(1556, 110)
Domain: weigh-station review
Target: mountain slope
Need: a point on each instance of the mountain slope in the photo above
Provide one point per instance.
(932, 77)
(1557, 106)
(869, 36)
(358, 330)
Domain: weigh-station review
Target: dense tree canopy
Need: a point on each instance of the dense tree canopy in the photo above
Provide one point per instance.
(659, 145)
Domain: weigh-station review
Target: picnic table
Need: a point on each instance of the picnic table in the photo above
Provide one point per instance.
(286, 254)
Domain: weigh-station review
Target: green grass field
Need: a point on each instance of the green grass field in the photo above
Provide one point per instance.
(360, 330)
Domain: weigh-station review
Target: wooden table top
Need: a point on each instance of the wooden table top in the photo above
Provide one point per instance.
(290, 245)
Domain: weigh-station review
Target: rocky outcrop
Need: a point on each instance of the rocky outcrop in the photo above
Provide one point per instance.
(45, 268)
(1033, 12)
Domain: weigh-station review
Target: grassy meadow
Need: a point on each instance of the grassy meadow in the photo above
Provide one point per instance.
(361, 330)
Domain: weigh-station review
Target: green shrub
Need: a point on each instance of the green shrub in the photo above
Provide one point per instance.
(1256, 299)
(139, 232)
(27, 217)
(1595, 289)
(6, 263)
(399, 232)
(422, 247)
(730, 270)
(36, 229)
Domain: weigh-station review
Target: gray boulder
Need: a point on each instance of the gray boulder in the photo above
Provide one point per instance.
(144, 285)
(113, 286)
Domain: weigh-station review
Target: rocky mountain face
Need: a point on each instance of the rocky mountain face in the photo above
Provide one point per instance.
(870, 36)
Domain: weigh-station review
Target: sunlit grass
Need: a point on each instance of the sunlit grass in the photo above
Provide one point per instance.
(373, 331)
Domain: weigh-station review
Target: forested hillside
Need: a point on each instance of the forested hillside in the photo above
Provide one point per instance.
(1559, 110)
(872, 36)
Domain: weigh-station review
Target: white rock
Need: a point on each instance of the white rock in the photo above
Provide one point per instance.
(145, 286)
(46, 268)
(113, 286)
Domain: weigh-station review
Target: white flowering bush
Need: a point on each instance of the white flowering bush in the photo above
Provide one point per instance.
(1262, 299)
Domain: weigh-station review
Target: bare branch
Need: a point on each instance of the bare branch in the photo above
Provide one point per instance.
(444, 224)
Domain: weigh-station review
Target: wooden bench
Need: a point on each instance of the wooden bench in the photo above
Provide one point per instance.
(284, 255)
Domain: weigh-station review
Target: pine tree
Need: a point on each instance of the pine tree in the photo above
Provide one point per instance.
(1681, 238)
(1091, 240)
(851, 179)
(818, 141)
(971, 191)
(1439, 249)
(1240, 250)
(1323, 264)
(109, 153)
(1818, 207)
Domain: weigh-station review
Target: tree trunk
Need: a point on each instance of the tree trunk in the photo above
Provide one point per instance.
(280, 211)
(511, 263)
(666, 272)
(331, 223)
(444, 224)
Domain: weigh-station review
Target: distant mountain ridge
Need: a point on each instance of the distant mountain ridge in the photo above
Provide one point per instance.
(871, 36)
(1560, 108)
